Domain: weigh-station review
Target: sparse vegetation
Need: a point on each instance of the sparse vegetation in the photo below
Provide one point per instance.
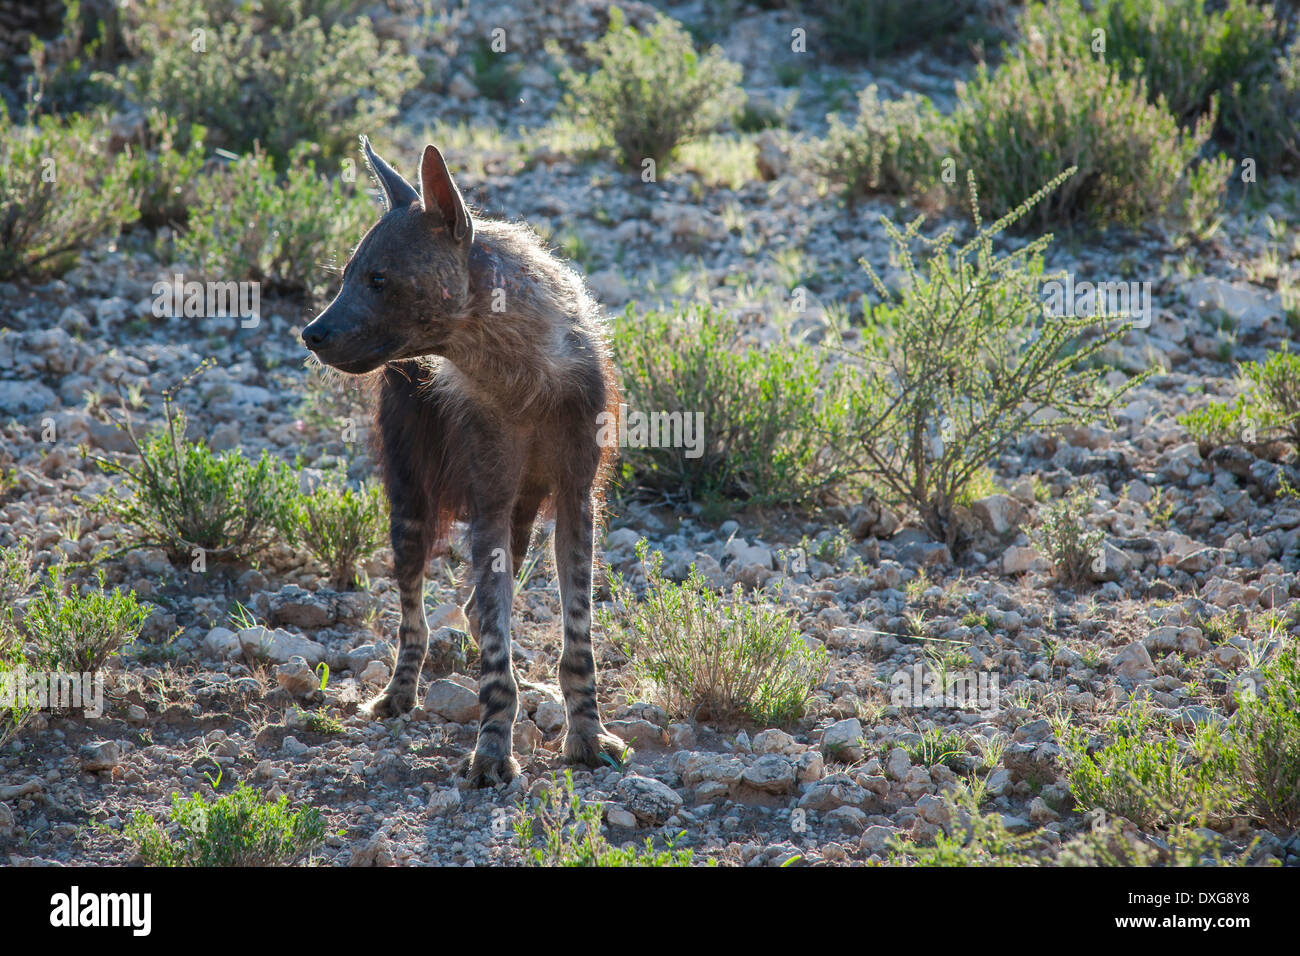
(1267, 410)
(708, 656)
(341, 525)
(1066, 537)
(564, 830)
(1268, 735)
(236, 829)
(182, 496)
(963, 363)
(766, 409)
(651, 91)
(249, 222)
(77, 632)
(272, 84)
(1152, 777)
(60, 192)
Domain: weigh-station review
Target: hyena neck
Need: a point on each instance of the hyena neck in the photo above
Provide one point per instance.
(511, 348)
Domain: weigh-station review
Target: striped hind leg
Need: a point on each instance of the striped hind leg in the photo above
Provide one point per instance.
(498, 695)
(521, 533)
(410, 551)
(585, 738)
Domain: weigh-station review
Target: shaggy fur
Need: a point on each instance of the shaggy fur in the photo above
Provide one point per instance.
(492, 369)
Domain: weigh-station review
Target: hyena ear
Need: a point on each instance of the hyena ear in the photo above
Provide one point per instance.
(440, 194)
(397, 191)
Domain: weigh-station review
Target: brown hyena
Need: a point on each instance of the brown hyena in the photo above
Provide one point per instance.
(493, 370)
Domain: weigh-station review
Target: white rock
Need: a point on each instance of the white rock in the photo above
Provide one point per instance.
(298, 678)
(451, 701)
(549, 716)
(842, 740)
(1133, 662)
(374, 674)
(221, 643)
(443, 801)
(280, 646)
(998, 513)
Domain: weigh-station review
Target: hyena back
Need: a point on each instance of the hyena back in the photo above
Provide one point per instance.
(492, 369)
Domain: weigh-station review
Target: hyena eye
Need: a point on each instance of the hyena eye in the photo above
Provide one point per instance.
(376, 280)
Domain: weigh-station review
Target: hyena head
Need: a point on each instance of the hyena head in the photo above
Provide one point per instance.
(406, 287)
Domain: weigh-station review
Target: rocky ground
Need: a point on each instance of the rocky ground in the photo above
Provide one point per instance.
(1190, 540)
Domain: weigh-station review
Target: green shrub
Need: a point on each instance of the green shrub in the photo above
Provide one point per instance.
(76, 633)
(16, 579)
(60, 192)
(1064, 535)
(570, 835)
(937, 747)
(708, 656)
(250, 223)
(181, 495)
(1053, 106)
(962, 363)
(277, 84)
(1268, 410)
(651, 91)
(237, 829)
(1268, 736)
(1190, 54)
(765, 411)
(342, 526)
(894, 146)
(166, 175)
(1150, 777)
(1261, 119)
(873, 28)
(495, 75)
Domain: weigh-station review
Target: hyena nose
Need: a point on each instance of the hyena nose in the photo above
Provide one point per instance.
(315, 337)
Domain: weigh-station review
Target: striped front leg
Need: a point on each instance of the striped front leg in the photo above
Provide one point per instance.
(585, 739)
(498, 697)
(409, 555)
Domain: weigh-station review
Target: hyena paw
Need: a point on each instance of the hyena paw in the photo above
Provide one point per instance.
(393, 702)
(486, 767)
(595, 747)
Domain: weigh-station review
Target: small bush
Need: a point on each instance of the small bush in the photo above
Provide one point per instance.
(894, 146)
(250, 223)
(181, 495)
(1190, 55)
(16, 579)
(651, 92)
(765, 411)
(1064, 535)
(237, 829)
(939, 747)
(342, 526)
(570, 835)
(165, 174)
(1053, 106)
(60, 192)
(76, 633)
(1268, 735)
(873, 28)
(703, 655)
(1154, 782)
(964, 363)
(1268, 410)
(275, 85)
